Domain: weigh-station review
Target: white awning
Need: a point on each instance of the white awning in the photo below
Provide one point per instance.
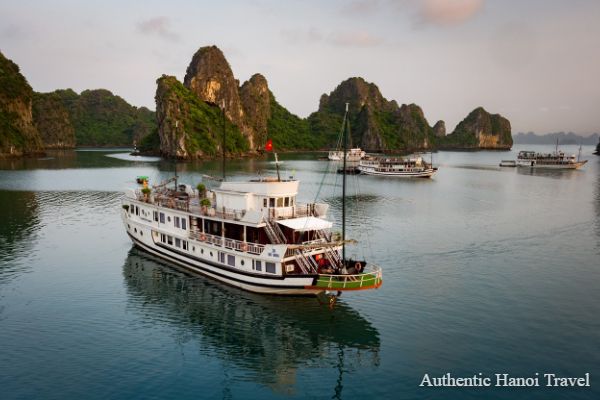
(306, 223)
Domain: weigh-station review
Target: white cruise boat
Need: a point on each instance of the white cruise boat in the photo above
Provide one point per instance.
(354, 154)
(253, 235)
(554, 160)
(414, 167)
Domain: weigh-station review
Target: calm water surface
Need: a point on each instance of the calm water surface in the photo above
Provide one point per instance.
(485, 270)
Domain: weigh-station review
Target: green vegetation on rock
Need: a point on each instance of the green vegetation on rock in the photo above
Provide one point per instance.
(288, 131)
(18, 136)
(190, 127)
(101, 118)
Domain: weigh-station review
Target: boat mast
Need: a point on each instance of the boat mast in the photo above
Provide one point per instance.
(223, 138)
(345, 134)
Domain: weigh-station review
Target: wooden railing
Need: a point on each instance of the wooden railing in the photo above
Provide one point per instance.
(238, 245)
(370, 278)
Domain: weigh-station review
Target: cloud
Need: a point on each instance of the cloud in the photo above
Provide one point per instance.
(449, 12)
(159, 26)
(298, 36)
(334, 38)
(354, 39)
(360, 7)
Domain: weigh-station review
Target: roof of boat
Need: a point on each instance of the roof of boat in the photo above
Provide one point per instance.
(306, 223)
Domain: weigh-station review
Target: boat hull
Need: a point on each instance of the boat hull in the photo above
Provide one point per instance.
(300, 288)
(426, 173)
(536, 165)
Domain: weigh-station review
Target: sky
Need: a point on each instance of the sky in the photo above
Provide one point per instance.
(536, 62)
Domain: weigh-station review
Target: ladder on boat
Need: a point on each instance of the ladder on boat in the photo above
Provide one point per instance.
(306, 263)
(331, 255)
(274, 232)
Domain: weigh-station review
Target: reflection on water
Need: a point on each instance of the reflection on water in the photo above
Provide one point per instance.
(269, 337)
(19, 222)
(552, 173)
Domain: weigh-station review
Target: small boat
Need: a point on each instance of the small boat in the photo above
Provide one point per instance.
(554, 160)
(508, 163)
(141, 179)
(354, 154)
(414, 167)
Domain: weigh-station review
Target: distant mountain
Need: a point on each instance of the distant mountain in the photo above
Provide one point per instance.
(480, 130)
(18, 134)
(550, 138)
(100, 118)
(377, 124)
(30, 121)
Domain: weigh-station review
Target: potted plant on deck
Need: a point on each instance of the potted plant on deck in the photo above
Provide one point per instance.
(204, 204)
(146, 192)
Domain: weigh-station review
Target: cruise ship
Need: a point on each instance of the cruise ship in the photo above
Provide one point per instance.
(414, 167)
(354, 154)
(250, 234)
(554, 160)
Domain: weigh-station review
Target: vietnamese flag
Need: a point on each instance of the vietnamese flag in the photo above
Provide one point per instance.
(269, 145)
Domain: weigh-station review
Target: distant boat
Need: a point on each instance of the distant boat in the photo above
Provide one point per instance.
(354, 154)
(554, 160)
(414, 167)
(508, 163)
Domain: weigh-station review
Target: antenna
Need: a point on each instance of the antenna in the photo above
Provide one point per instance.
(223, 140)
(345, 134)
(277, 166)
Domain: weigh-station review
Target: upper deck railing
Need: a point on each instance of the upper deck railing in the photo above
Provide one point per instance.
(191, 205)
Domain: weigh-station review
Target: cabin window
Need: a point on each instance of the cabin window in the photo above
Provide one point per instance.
(131, 209)
(176, 222)
(177, 242)
(258, 265)
(162, 238)
(287, 202)
(291, 202)
(169, 219)
(162, 218)
(155, 214)
(231, 260)
(183, 224)
(137, 210)
(184, 244)
(272, 202)
(270, 267)
(280, 202)
(170, 240)
(265, 203)
(222, 257)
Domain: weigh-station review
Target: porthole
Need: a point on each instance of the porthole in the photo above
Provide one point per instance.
(211, 253)
(193, 248)
(169, 219)
(202, 251)
(135, 230)
(141, 233)
(128, 227)
(242, 262)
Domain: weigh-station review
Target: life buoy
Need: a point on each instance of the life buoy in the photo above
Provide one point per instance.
(358, 266)
(244, 247)
(202, 237)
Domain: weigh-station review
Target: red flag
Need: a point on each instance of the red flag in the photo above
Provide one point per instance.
(269, 145)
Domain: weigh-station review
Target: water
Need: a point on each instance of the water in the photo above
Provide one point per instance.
(486, 270)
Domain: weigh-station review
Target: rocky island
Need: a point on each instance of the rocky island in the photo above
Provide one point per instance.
(188, 127)
(190, 116)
